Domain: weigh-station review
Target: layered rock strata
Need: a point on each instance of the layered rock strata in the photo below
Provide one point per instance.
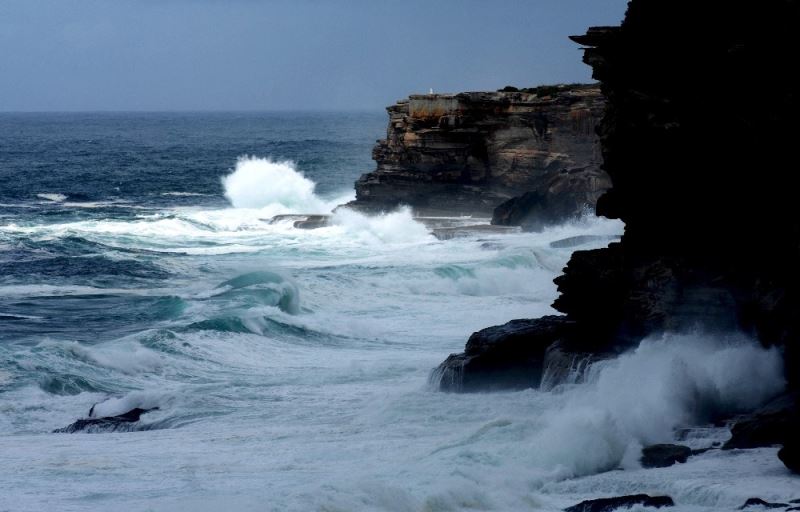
(465, 154)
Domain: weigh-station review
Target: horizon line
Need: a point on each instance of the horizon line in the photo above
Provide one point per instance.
(199, 111)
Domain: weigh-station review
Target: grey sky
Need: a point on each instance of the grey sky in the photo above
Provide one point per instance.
(281, 54)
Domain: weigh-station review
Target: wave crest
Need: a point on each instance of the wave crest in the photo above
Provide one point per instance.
(263, 182)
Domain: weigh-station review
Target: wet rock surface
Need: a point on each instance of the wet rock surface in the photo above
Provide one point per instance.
(568, 194)
(577, 241)
(448, 233)
(778, 422)
(621, 502)
(303, 221)
(758, 502)
(664, 455)
(120, 423)
(508, 356)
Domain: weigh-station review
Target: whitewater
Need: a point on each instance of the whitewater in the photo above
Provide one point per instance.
(288, 369)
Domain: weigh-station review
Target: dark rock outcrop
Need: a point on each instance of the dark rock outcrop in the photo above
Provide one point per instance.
(568, 194)
(699, 167)
(682, 163)
(508, 356)
(467, 153)
(758, 502)
(778, 422)
(664, 455)
(610, 504)
(790, 456)
(121, 423)
(519, 354)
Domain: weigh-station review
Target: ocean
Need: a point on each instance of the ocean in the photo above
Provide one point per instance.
(288, 369)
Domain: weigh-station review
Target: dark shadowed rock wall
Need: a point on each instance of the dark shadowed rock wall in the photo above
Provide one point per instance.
(699, 139)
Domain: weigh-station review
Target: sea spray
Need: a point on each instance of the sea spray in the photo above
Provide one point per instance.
(56, 198)
(394, 227)
(125, 356)
(260, 182)
(644, 395)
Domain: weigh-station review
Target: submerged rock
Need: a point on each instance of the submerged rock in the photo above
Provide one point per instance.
(449, 233)
(119, 423)
(664, 455)
(303, 221)
(313, 222)
(610, 504)
(575, 241)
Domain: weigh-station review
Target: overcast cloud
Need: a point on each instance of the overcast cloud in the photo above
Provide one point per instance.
(281, 54)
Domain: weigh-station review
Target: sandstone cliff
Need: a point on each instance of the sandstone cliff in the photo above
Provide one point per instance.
(467, 153)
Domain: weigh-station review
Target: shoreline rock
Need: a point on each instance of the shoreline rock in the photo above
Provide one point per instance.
(758, 502)
(519, 354)
(448, 233)
(124, 422)
(790, 456)
(503, 357)
(698, 165)
(776, 423)
(664, 455)
(467, 153)
(568, 194)
(611, 504)
(707, 243)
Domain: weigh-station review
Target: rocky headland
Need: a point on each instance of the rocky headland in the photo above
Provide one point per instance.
(698, 140)
(524, 157)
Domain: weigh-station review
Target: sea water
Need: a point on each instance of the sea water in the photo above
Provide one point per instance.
(287, 369)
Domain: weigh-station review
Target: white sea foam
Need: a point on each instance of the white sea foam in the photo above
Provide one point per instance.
(56, 198)
(262, 182)
(47, 290)
(120, 405)
(124, 356)
(327, 408)
(641, 397)
(394, 227)
(183, 194)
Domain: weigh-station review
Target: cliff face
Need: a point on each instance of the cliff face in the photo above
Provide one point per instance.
(467, 153)
(700, 180)
(698, 138)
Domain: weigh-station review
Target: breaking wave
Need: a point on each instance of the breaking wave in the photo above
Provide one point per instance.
(643, 396)
(274, 187)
